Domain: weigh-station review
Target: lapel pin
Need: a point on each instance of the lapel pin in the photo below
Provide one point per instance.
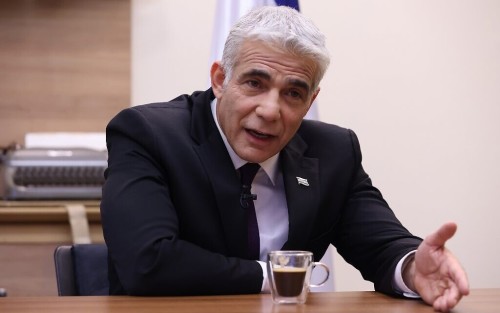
(302, 181)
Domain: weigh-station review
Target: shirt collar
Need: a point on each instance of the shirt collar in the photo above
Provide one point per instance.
(270, 166)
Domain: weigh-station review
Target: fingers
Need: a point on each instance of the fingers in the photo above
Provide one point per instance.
(444, 233)
(442, 305)
(460, 279)
(441, 270)
(448, 300)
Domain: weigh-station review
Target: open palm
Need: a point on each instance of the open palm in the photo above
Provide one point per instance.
(438, 276)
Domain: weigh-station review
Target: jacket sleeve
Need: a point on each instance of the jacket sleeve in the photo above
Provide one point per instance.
(369, 236)
(141, 226)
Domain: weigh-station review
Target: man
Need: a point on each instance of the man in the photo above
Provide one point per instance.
(173, 209)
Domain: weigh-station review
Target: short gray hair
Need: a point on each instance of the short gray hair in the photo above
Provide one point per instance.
(280, 26)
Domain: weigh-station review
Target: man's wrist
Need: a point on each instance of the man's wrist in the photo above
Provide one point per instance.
(403, 276)
(408, 271)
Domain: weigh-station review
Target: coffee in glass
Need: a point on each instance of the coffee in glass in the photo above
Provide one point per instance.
(289, 275)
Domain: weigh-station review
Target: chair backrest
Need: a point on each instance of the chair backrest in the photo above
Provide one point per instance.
(82, 270)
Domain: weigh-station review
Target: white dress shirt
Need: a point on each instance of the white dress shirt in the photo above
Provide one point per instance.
(269, 187)
(270, 190)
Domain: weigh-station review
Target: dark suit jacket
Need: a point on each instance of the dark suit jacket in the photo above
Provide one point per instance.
(171, 214)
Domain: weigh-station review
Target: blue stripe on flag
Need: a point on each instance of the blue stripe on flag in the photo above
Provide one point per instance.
(289, 3)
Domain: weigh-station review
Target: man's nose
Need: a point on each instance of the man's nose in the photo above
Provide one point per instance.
(269, 106)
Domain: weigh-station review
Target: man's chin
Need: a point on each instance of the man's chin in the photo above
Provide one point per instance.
(253, 155)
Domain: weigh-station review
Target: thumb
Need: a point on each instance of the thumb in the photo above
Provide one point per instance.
(439, 238)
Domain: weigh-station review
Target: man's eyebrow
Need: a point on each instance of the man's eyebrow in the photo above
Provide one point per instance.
(256, 73)
(299, 83)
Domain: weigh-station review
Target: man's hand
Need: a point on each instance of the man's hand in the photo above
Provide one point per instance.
(435, 273)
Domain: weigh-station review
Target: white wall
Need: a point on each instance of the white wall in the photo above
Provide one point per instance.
(170, 48)
(417, 80)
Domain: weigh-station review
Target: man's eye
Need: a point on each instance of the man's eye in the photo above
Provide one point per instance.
(253, 83)
(295, 94)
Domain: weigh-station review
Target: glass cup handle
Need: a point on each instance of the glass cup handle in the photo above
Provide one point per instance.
(314, 264)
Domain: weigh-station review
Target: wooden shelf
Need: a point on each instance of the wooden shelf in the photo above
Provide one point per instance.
(44, 211)
(45, 221)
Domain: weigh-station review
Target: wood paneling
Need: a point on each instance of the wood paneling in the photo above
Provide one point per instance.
(64, 65)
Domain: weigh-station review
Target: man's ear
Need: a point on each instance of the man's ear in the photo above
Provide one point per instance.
(314, 97)
(217, 77)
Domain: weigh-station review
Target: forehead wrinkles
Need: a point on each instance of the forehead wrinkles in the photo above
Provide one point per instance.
(277, 60)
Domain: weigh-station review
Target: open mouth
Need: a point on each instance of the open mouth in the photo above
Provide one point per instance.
(258, 134)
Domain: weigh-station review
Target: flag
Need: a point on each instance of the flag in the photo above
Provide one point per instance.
(228, 12)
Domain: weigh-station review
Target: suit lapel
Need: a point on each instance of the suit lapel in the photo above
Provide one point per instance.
(301, 179)
(300, 175)
(222, 175)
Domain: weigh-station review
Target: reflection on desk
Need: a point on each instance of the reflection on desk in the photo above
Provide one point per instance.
(479, 301)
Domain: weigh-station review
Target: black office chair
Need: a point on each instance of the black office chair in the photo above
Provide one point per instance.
(82, 270)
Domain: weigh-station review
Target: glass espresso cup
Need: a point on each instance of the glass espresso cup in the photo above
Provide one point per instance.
(289, 275)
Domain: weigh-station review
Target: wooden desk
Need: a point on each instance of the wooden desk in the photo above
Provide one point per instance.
(480, 301)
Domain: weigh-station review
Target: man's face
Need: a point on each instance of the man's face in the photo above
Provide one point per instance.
(262, 105)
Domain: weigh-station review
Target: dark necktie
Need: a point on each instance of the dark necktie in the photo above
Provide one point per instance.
(247, 173)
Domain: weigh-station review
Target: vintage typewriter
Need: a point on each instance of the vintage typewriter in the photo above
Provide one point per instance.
(29, 174)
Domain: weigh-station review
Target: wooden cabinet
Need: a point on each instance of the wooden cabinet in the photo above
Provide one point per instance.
(29, 233)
